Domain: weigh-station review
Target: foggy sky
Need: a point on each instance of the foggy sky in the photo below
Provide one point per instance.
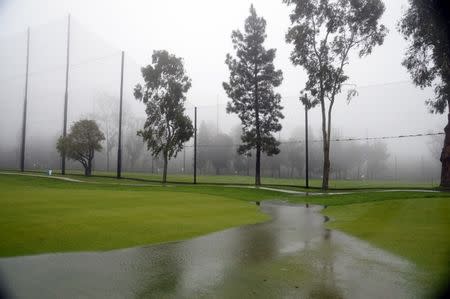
(200, 30)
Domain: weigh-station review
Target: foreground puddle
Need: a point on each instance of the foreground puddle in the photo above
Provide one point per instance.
(292, 256)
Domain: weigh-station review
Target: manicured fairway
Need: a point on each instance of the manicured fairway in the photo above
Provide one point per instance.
(39, 215)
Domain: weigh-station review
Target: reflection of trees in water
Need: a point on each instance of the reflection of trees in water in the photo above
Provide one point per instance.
(187, 268)
(245, 262)
(326, 288)
(158, 274)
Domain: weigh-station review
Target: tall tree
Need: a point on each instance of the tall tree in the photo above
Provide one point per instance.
(166, 128)
(426, 25)
(323, 34)
(251, 89)
(81, 143)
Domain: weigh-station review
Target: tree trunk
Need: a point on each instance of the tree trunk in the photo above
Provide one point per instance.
(248, 166)
(445, 157)
(326, 165)
(164, 180)
(258, 166)
(88, 168)
(326, 150)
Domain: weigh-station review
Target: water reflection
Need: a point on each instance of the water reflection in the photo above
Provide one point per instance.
(291, 256)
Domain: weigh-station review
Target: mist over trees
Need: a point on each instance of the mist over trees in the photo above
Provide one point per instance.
(351, 160)
(204, 140)
(166, 128)
(94, 83)
(107, 114)
(323, 34)
(133, 144)
(251, 89)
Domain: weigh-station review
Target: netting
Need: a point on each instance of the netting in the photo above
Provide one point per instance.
(94, 92)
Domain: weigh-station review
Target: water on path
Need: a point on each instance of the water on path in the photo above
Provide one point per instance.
(292, 256)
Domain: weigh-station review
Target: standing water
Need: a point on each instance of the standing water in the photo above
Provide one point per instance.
(291, 256)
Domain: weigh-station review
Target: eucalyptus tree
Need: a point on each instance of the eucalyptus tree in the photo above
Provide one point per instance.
(324, 33)
(83, 140)
(253, 78)
(426, 25)
(166, 128)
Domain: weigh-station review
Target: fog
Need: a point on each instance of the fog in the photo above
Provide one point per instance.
(388, 104)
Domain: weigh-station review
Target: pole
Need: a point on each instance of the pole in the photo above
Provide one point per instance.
(66, 97)
(25, 103)
(119, 145)
(195, 145)
(306, 148)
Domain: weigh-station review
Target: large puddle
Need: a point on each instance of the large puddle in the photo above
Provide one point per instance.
(292, 256)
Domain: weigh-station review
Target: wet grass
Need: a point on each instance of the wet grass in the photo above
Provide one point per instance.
(292, 183)
(416, 228)
(38, 215)
(366, 197)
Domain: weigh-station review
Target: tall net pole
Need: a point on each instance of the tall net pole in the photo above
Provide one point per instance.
(306, 145)
(195, 145)
(119, 146)
(66, 97)
(25, 103)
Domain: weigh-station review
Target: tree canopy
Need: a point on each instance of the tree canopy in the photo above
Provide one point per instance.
(426, 25)
(81, 143)
(252, 80)
(166, 128)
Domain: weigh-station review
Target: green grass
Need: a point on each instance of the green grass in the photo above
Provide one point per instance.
(415, 228)
(366, 197)
(142, 177)
(38, 215)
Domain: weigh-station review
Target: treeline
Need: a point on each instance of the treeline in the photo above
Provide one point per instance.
(351, 160)
(217, 155)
